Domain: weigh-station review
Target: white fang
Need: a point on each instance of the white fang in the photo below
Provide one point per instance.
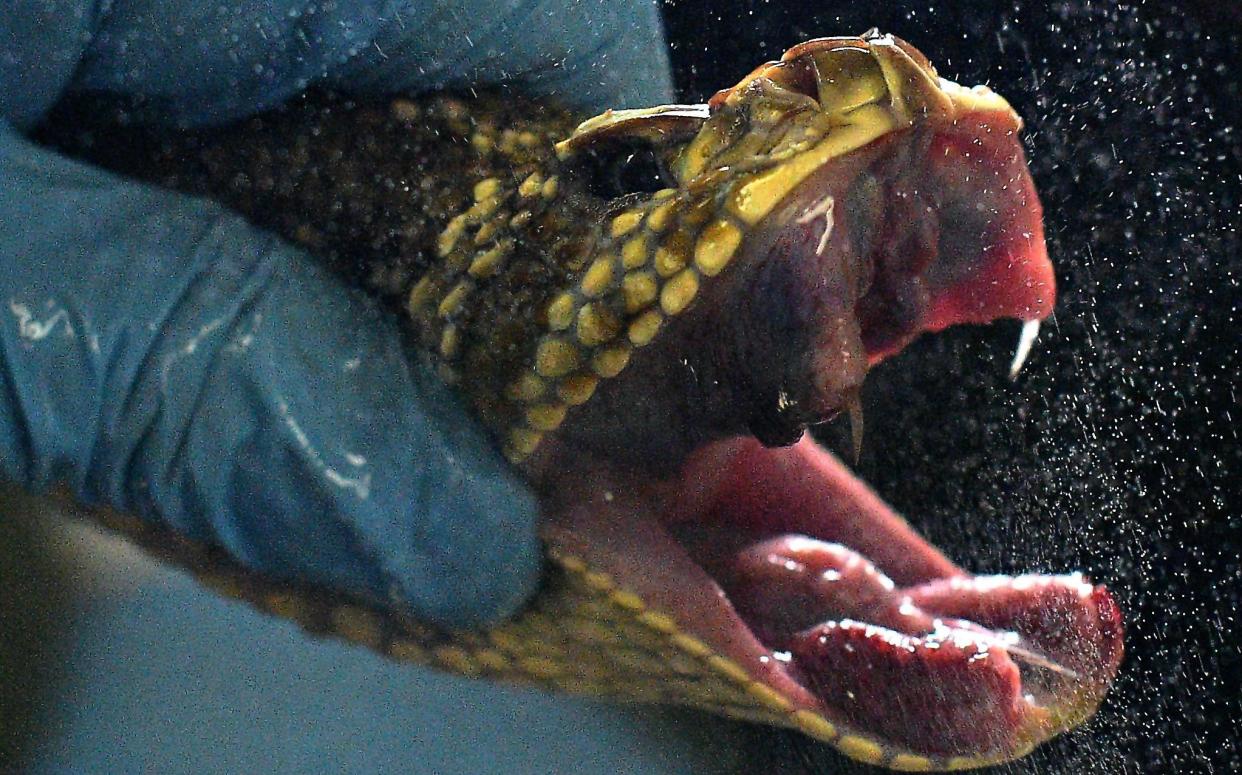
(1030, 330)
(823, 207)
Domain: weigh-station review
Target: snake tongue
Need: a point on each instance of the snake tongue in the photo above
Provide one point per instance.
(947, 693)
(1074, 624)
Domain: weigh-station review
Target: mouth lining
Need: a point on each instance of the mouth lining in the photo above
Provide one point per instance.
(931, 667)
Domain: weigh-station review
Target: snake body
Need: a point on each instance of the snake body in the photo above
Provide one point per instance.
(545, 266)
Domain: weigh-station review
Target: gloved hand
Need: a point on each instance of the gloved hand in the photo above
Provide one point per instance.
(160, 355)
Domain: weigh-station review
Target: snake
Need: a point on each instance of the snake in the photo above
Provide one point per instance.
(647, 309)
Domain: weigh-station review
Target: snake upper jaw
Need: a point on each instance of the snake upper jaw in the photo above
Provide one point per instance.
(915, 232)
(850, 199)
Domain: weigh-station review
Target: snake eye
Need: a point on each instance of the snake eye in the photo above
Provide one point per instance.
(624, 168)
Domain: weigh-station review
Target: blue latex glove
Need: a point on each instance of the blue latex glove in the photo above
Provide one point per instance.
(160, 355)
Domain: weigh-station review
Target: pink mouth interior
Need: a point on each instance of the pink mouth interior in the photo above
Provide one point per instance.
(784, 561)
(971, 242)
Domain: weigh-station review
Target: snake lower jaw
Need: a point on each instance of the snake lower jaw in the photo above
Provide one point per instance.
(783, 563)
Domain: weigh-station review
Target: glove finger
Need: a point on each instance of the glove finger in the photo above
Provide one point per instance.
(164, 357)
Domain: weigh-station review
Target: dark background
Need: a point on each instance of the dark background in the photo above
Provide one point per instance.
(1117, 451)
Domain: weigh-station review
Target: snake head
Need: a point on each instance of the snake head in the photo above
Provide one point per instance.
(761, 253)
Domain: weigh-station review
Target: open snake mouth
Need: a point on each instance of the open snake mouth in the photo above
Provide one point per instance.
(780, 559)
